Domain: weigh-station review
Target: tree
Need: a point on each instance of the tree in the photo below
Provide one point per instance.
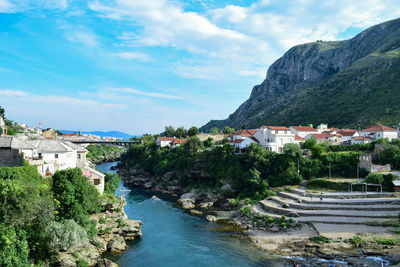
(62, 236)
(111, 183)
(193, 131)
(14, 249)
(228, 130)
(192, 145)
(208, 142)
(309, 143)
(77, 196)
(317, 151)
(169, 131)
(181, 132)
(292, 150)
(214, 130)
(243, 127)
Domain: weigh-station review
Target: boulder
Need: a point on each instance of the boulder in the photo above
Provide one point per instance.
(206, 205)
(117, 245)
(226, 187)
(187, 205)
(99, 243)
(211, 218)
(148, 185)
(65, 259)
(196, 212)
(106, 263)
(168, 176)
(131, 229)
(188, 200)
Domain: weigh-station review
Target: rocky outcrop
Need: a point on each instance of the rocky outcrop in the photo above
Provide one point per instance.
(114, 228)
(299, 85)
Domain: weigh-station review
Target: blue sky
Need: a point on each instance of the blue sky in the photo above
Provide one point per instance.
(138, 65)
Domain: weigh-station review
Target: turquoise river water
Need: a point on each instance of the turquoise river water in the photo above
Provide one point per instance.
(171, 237)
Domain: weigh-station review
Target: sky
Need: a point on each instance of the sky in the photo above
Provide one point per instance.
(139, 65)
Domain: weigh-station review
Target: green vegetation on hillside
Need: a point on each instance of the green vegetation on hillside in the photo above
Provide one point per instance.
(40, 216)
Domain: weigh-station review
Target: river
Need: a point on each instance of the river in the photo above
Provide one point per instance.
(171, 237)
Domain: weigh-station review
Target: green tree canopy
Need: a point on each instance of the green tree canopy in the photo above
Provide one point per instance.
(169, 131)
(181, 132)
(214, 130)
(228, 130)
(193, 131)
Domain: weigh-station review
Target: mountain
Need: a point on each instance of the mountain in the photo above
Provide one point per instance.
(116, 134)
(351, 83)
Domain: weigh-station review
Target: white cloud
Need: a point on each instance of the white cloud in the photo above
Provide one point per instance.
(6, 6)
(142, 93)
(17, 93)
(133, 56)
(84, 37)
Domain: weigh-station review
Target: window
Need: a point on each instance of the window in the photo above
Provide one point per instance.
(96, 181)
(267, 140)
(56, 156)
(79, 156)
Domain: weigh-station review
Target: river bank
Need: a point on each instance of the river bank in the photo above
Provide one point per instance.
(290, 240)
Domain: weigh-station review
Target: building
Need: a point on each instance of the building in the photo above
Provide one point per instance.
(242, 134)
(361, 140)
(298, 140)
(177, 142)
(274, 138)
(9, 153)
(164, 141)
(302, 131)
(348, 135)
(3, 127)
(378, 131)
(243, 143)
(396, 185)
(322, 127)
(332, 139)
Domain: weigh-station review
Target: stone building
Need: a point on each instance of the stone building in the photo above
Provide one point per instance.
(3, 127)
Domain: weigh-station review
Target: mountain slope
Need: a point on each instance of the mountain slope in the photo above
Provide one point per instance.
(344, 83)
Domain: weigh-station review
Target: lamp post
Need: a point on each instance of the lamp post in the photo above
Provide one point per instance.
(298, 166)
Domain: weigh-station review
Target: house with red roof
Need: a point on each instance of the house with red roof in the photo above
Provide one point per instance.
(378, 131)
(177, 142)
(244, 143)
(242, 134)
(332, 139)
(348, 135)
(164, 141)
(274, 138)
(361, 140)
(302, 131)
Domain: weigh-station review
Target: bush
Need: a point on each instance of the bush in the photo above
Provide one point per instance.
(325, 184)
(14, 248)
(111, 183)
(62, 236)
(374, 178)
(320, 239)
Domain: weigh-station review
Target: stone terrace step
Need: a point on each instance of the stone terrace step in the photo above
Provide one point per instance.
(293, 204)
(315, 219)
(336, 201)
(272, 207)
(345, 195)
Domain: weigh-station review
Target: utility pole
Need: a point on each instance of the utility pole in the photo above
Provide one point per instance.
(330, 176)
(298, 166)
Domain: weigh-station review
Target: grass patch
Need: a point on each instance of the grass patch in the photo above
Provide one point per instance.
(320, 239)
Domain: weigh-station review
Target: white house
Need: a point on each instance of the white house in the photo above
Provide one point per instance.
(242, 134)
(378, 131)
(322, 127)
(177, 142)
(302, 131)
(298, 140)
(348, 135)
(323, 137)
(361, 140)
(274, 138)
(164, 141)
(243, 143)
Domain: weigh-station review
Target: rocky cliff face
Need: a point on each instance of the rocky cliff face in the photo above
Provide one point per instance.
(303, 72)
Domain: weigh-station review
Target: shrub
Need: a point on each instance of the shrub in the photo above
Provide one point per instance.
(374, 178)
(320, 239)
(325, 184)
(81, 263)
(111, 183)
(62, 236)
(14, 248)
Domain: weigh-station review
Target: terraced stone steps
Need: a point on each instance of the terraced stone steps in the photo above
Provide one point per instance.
(345, 195)
(272, 207)
(336, 201)
(322, 206)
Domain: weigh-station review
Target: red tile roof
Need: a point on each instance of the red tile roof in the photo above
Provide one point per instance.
(378, 128)
(254, 139)
(246, 132)
(236, 141)
(166, 138)
(281, 128)
(322, 136)
(304, 128)
(334, 129)
(252, 131)
(296, 137)
(347, 132)
(178, 141)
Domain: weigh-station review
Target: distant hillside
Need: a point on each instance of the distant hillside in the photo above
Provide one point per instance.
(116, 134)
(349, 83)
